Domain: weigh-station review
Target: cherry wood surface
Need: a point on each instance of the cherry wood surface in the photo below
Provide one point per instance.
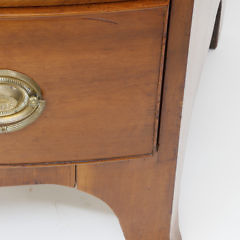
(140, 188)
(140, 191)
(29, 3)
(101, 79)
(61, 175)
(83, 9)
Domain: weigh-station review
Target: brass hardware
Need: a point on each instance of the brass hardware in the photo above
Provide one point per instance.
(21, 101)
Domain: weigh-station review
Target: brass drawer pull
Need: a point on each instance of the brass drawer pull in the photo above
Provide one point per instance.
(21, 101)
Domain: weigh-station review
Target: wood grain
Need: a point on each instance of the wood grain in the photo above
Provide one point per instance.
(29, 3)
(61, 175)
(83, 9)
(139, 191)
(142, 192)
(100, 76)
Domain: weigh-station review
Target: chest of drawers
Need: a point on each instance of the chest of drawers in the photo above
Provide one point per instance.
(91, 95)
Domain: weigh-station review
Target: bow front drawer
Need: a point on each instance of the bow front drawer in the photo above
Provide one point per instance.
(100, 70)
(31, 3)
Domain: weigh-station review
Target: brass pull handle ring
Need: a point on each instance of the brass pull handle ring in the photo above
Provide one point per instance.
(21, 101)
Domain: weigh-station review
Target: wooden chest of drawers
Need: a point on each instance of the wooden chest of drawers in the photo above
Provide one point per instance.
(100, 73)
(102, 84)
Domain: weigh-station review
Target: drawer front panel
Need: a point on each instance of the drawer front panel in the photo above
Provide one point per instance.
(27, 3)
(99, 73)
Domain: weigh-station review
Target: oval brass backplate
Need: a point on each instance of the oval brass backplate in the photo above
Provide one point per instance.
(21, 101)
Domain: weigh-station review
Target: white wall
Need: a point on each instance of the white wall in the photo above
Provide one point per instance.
(210, 190)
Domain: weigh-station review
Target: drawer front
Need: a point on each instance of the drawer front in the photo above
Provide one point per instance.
(99, 71)
(29, 3)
